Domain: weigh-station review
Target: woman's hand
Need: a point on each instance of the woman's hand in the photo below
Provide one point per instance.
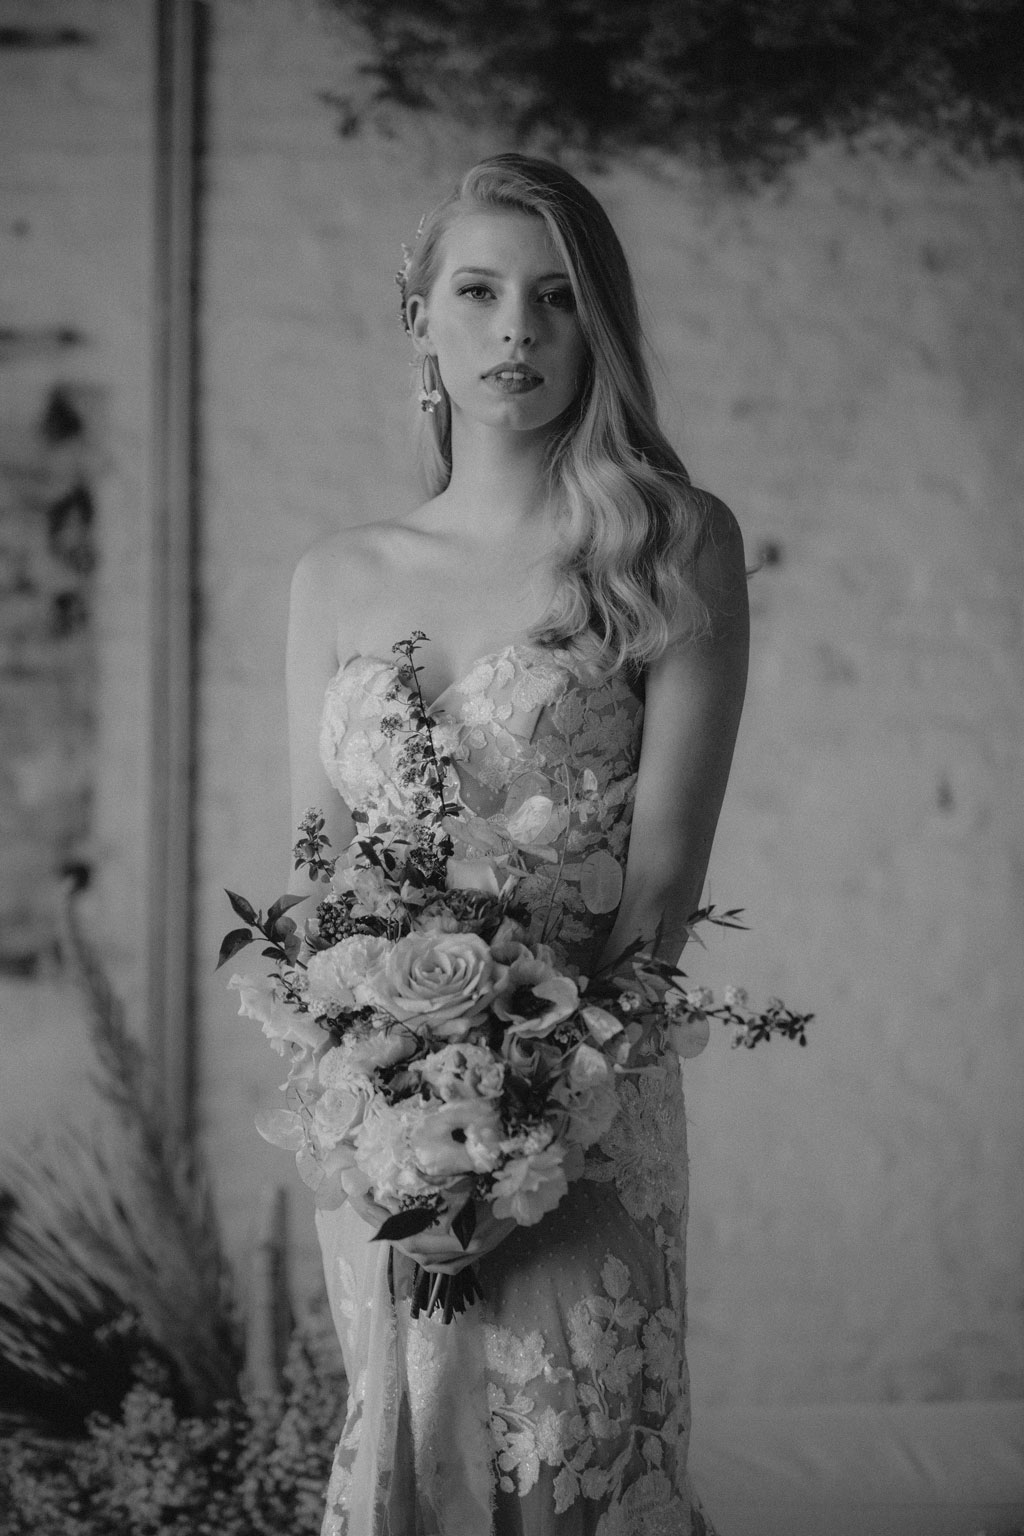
(437, 1249)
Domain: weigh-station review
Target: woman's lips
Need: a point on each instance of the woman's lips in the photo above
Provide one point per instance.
(513, 378)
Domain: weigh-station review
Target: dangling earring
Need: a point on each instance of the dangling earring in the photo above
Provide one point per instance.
(430, 396)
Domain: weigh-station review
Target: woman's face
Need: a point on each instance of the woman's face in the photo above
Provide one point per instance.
(501, 321)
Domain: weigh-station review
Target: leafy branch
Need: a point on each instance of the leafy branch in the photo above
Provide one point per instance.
(648, 948)
(283, 942)
(640, 965)
(423, 720)
(308, 850)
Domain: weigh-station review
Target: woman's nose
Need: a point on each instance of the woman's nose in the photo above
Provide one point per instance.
(517, 327)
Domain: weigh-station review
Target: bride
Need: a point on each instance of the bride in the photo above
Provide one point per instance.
(584, 606)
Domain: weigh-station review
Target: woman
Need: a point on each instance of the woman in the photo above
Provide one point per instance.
(586, 617)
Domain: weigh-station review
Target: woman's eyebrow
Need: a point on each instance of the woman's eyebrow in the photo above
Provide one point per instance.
(546, 277)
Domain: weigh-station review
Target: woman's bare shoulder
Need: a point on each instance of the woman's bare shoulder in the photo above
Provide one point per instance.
(341, 567)
(722, 536)
(720, 567)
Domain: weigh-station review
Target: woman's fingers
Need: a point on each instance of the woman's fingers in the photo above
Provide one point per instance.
(428, 1249)
(436, 1248)
(369, 1210)
(440, 1250)
(490, 1232)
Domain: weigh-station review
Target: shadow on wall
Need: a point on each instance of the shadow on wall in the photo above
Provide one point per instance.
(47, 664)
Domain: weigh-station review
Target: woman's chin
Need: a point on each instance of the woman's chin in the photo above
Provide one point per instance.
(518, 414)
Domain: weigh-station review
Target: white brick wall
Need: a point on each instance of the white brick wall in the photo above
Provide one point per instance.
(842, 363)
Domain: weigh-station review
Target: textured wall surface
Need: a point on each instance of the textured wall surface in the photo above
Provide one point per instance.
(47, 659)
(841, 360)
(76, 207)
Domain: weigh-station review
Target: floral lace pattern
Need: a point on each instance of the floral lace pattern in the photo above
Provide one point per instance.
(560, 1403)
(624, 1399)
(651, 1123)
(522, 726)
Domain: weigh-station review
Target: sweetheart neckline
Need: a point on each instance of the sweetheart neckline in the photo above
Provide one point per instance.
(393, 664)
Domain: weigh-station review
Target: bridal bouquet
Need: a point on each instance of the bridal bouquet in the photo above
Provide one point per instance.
(437, 1057)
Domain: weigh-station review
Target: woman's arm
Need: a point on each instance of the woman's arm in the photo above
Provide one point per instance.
(694, 697)
(312, 660)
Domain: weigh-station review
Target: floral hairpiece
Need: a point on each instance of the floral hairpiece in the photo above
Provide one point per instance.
(402, 275)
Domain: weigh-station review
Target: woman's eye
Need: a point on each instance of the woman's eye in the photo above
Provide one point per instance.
(475, 291)
(559, 298)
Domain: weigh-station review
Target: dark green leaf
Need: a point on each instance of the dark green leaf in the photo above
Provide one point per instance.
(403, 1224)
(280, 906)
(464, 1224)
(244, 909)
(237, 939)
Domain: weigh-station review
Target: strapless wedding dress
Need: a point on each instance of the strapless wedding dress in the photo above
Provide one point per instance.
(559, 1405)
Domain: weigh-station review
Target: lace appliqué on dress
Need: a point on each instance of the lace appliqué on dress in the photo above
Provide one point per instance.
(645, 1146)
(566, 1389)
(607, 1424)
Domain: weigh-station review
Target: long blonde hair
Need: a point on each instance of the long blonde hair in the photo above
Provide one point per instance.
(634, 523)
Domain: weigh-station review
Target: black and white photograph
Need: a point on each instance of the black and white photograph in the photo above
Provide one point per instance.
(512, 776)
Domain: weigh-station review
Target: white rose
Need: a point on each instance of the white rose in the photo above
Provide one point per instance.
(443, 981)
(283, 1024)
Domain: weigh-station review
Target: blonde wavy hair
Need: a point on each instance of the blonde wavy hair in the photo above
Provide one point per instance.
(634, 523)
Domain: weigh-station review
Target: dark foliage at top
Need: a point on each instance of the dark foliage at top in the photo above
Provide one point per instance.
(748, 84)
